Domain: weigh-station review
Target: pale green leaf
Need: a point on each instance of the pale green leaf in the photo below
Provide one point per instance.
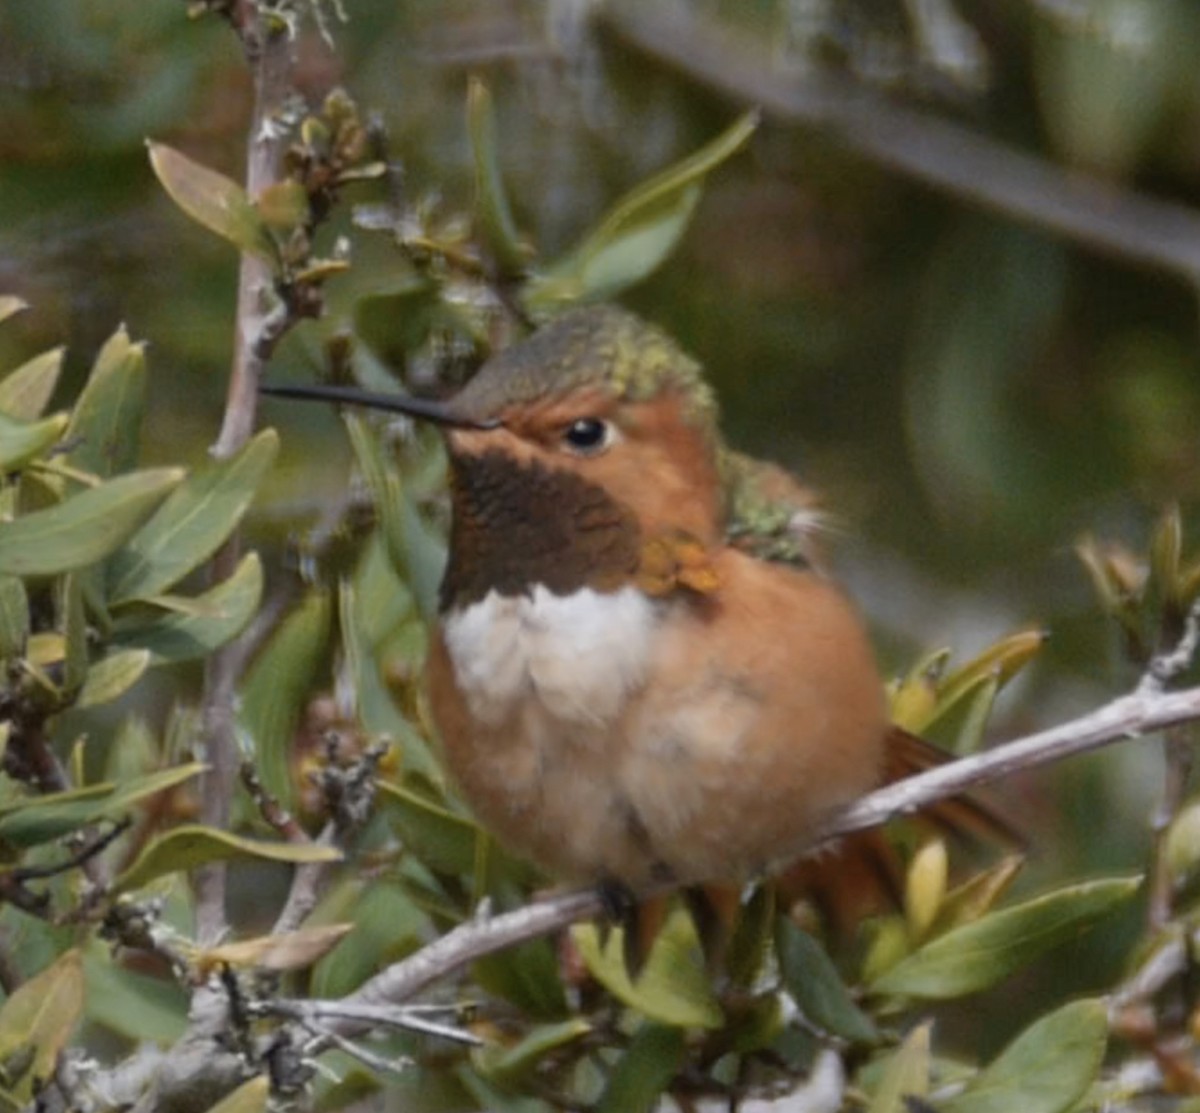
(25, 392)
(21, 441)
(673, 986)
(986, 951)
(212, 199)
(86, 527)
(189, 526)
(106, 419)
(11, 304)
(639, 232)
(41, 1015)
(277, 684)
(191, 628)
(496, 222)
(190, 846)
(35, 820)
(250, 1097)
(510, 1064)
(14, 617)
(905, 1075)
(133, 1005)
(1046, 1069)
(112, 676)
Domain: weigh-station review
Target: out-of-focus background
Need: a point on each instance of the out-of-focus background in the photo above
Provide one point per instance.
(951, 279)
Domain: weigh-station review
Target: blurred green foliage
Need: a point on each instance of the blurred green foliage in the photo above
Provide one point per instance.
(971, 394)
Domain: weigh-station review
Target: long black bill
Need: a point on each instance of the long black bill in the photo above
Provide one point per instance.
(442, 413)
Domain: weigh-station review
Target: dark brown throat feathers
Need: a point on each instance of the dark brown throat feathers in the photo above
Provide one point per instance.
(518, 523)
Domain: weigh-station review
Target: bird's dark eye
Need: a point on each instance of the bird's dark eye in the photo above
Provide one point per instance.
(588, 435)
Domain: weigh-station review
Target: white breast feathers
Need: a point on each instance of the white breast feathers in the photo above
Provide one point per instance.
(579, 655)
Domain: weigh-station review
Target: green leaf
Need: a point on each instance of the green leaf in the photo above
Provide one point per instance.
(193, 628)
(906, 1073)
(496, 224)
(86, 527)
(277, 684)
(1046, 1069)
(41, 1015)
(986, 951)
(812, 980)
(437, 836)
(510, 1065)
(107, 418)
(21, 441)
(132, 1005)
(190, 846)
(14, 617)
(639, 232)
(25, 392)
(527, 975)
(72, 620)
(10, 304)
(673, 986)
(653, 1058)
(417, 552)
(35, 820)
(212, 199)
(249, 1097)
(112, 676)
(189, 526)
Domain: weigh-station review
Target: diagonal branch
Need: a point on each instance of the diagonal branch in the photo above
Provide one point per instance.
(932, 150)
(1129, 717)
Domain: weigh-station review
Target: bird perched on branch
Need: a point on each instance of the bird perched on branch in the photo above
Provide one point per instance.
(640, 675)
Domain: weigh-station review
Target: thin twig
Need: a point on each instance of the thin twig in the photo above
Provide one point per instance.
(311, 1013)
(269, 54)
(937, 152)
(1129, 717)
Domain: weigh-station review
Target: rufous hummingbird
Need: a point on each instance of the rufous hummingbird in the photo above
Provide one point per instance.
(640, 676)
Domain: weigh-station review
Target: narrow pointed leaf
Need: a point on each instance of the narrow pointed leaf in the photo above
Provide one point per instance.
(813, 981)
(112, 676)
(25, 392)
(106, 420)
(294, 950)
(197, 626)
(189, 526)
(1003, 660)
(134, 1006)
(510, 1065)
(906, 1074)
(640, 231)
(673, 986)
(10, 304)
(86, 527)
(276, 687)
(14, 617)
(42, 1014)
(1046, 1069)
(44, 818)
(21, 441)
(979, 954)
(187, 847)
(652, 1059)
(495, 216)
(434, 834)
(211, 199)
(250, 1097)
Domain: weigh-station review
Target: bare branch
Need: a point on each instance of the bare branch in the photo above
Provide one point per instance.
(313, 1014)
(941, 154)
(1129, 717)
(256, 333)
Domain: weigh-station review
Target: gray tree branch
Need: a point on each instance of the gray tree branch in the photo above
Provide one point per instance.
(979, 170)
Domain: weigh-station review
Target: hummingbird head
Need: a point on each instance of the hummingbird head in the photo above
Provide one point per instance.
(569, 451)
